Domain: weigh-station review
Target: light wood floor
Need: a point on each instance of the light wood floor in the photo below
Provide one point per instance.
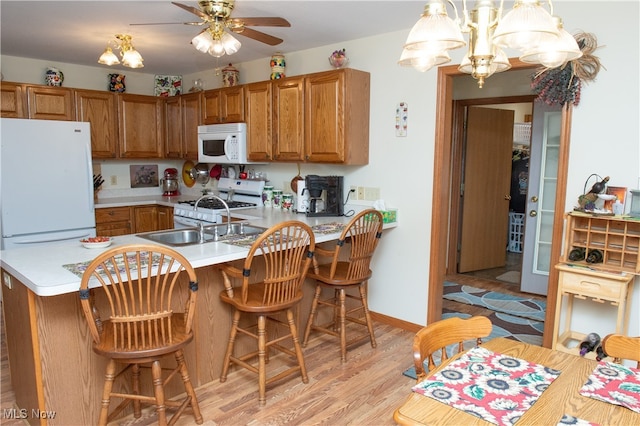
(363, 391)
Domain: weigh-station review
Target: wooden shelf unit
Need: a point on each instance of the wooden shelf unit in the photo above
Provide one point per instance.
(610, 281)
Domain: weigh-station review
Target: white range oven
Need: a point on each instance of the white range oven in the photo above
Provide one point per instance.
(238, 193)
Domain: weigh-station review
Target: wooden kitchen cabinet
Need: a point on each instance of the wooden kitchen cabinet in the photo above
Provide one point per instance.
(337, 117)
(152, 218)
(183, 115)
(288, 119)
(173, 132)
(259, 121)
(114, 221)
(50, 103)
(165, 218)
(141, 126)
(13, 104)
(607, 282)
(99, 109)
(145, 218)
(225, 105)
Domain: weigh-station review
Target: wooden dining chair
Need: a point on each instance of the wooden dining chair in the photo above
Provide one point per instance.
(622, 347)
(270, 283)
(348, 268)
(436, 337)
(149, 292)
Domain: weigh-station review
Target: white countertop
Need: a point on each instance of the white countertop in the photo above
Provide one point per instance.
(41, 270)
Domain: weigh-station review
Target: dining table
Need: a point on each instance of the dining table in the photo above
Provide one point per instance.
(561, 397)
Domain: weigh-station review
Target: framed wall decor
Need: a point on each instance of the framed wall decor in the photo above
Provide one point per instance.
(167, 85)
(620, 193)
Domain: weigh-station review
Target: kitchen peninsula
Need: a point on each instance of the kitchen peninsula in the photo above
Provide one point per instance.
(53, 367)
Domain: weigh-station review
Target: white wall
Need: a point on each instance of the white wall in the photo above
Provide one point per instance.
(605, 138)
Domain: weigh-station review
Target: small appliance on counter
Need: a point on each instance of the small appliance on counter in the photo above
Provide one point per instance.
(170, 183)
(302, 197)
(326, 195)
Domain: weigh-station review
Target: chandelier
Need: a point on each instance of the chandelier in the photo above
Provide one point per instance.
(528, 27)
(216, 41)
(130, 56)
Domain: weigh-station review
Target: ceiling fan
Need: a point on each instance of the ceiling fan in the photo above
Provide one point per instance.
(216, 39)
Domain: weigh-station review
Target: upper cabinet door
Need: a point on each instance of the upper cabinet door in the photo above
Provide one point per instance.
(99, 109)
(50, 103)
(191, 104)
(141, 123)
(288, 119)
(224, 105)
(13, 105)
(258, 112)
(173, 132)
(337, 117)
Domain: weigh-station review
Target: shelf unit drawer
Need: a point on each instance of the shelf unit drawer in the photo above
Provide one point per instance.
(593, 284)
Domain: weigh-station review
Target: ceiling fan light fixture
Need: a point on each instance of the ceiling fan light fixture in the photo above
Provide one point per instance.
(421, 61)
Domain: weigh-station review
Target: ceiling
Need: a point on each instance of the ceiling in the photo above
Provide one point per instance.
(77, 32)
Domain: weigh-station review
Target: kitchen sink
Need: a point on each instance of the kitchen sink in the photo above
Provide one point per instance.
(191, 236)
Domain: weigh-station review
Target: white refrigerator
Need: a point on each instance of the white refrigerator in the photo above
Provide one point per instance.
(46, 182)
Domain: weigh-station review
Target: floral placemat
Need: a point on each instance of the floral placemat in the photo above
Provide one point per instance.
(79, 268)
(497, 388)
(328, 228)
(614, 383)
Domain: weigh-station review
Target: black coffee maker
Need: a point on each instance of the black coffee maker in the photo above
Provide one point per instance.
(325, 195)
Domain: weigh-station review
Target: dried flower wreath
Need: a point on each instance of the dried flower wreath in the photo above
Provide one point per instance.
(562, 85)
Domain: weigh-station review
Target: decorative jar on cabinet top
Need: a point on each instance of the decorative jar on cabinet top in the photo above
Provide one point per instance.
(278, 66)
(53, 77)
(230, 76)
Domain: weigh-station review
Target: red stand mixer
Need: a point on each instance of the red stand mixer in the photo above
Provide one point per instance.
(170, 183)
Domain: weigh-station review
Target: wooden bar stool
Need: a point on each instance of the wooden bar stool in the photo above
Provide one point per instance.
(349, 268)
(143, 286)
(271, 283)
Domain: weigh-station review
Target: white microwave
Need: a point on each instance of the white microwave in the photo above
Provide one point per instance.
(223, 143)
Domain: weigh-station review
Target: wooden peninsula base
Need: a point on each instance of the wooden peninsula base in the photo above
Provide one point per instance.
(54, 371)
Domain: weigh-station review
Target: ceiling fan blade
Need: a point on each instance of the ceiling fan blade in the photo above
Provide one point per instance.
(261, 22)
(258, 35)
(191, 9)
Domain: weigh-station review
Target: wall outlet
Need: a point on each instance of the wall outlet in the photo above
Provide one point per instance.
(360, 193)
(6, 279)
(114, 180)
(371, 194)
(353, 192)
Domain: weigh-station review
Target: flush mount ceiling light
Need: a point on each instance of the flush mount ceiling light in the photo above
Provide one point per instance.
(130, 56)
(216, 41)
(528, 27)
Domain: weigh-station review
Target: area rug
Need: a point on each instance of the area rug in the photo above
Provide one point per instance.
(511, 277)
(504, 325)
(499, 302)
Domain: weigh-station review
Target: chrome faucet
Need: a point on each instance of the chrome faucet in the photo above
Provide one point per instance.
(226, 206)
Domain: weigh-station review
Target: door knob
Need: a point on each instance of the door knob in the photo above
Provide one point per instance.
(534, 199)
(507, 197)
(533, 213)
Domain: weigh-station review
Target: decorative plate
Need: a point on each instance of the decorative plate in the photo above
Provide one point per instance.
(186, 175)
(96, 242)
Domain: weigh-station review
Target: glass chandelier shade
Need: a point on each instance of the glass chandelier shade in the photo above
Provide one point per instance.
(527, 24)
(418, 60)
(130, 56)
(554, 54)
(528, 27)
(108, 57)
(435, 32)
(217, 43)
